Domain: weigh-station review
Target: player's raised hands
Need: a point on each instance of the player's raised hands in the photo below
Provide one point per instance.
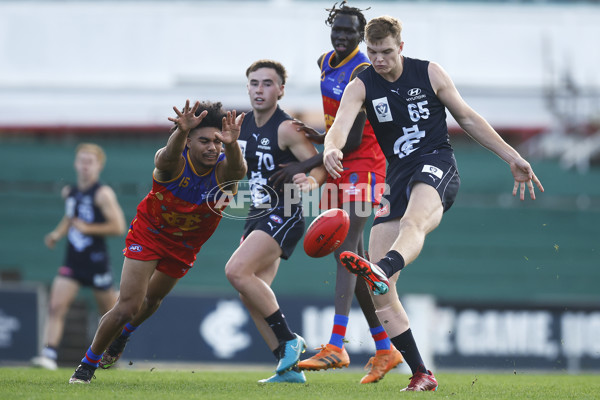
(524, 176)
(186, 119)
(231, 126)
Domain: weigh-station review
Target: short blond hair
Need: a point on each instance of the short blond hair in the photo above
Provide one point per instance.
(381, 27)
(92, 148)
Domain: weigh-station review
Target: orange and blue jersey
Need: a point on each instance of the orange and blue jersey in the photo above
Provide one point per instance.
(178, 216)
(368, 157)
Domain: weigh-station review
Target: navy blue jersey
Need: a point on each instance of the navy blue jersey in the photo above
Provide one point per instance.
(260, 146)
(86, 254)
(408, 118)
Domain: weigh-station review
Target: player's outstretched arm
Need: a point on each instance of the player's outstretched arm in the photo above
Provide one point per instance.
(233, 167)
(169, 159)
(480, 130)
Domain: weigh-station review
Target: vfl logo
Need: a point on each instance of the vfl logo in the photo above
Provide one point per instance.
(414, 92)
(264, 141)
(256, 135)
(135, 248)
(382, 109)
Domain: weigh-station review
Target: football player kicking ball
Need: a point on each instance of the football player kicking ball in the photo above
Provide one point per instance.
(192, 182)
(405, 100)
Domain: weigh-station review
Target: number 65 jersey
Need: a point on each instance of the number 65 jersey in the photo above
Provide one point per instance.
(408, 118)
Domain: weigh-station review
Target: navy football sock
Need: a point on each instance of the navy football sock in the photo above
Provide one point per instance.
(280, 327)
(405, 342)
(391, 263)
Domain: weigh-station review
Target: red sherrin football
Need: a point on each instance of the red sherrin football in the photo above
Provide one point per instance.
(326, 233)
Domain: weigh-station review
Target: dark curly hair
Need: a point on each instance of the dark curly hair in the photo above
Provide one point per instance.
(214, 118)
(344, 9)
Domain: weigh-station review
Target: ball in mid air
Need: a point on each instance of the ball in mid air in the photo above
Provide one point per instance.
(326, 233)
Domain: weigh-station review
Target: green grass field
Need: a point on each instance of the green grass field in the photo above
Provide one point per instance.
(29, 383)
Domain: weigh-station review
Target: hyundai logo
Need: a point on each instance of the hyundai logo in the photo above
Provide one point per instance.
(264, 141)
(414, 92)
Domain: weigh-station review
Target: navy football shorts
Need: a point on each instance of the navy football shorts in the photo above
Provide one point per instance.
(437, 170)
(287, 230)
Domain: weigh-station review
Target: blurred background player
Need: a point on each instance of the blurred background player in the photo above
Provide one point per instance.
(275, 221)
(406, 100)
(358, 189)
(192, 182)
(91, 213)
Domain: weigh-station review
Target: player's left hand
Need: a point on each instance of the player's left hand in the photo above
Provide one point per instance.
(524, 176)
(231, 126)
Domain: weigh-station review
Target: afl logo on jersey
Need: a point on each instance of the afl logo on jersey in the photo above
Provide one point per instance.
(414, 92)
(135, 248)
(276, 218)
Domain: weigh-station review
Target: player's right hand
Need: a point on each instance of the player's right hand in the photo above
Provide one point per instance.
(186, 119)
(51, 239)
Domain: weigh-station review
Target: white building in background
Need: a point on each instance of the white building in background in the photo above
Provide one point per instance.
(122, 63)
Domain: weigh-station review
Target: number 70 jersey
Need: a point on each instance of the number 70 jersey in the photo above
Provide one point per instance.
(406, 115)
(260, 146)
